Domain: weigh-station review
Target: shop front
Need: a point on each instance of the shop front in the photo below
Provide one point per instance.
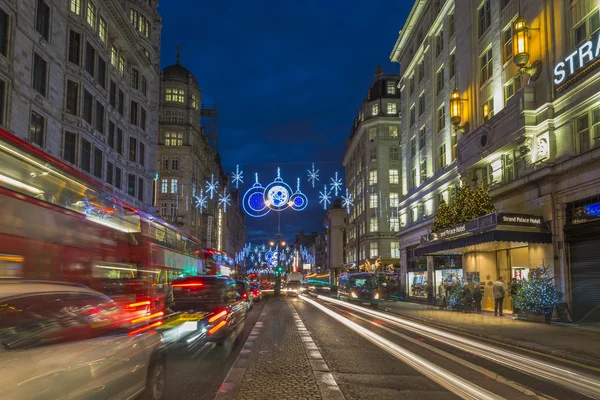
(417, 277)
(482, 250)
(582, 235)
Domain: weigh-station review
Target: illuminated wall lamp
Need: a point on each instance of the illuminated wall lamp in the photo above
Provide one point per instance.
(456, 112)
(521, 50)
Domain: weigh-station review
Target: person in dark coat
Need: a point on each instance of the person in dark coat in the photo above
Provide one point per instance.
(467, 298)
(477, 296)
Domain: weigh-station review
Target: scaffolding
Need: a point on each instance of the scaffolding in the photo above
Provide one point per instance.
(209, 116)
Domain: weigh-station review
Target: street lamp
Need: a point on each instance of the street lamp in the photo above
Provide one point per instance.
(456, 111)
(521, 49)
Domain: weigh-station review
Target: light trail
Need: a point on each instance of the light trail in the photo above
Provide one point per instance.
(455, 384)
(573, 380)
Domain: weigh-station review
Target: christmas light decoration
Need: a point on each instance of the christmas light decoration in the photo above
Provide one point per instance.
(224, 199)
(347, 201)
(201, 201)
(538, 294)
(324, 198)
(237, 177)
(277, 196)
(336, 184)
(212, 186)
(313, 175)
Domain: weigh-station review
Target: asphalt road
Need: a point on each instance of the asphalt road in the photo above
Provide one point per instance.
(364, 370)
(197, 373)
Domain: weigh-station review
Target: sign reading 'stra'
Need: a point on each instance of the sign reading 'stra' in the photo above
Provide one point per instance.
(587, 52)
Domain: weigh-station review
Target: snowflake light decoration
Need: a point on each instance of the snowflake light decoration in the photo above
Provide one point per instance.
(237, 177)
(212, 187)
(224, 199)
(325, 198)
(336, 184)
(313, 175)
(201, 201)
(347, 201)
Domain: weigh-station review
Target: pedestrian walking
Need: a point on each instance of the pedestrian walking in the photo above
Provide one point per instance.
(467, 297)
(499, 294)
(477, 296)
(442, 296)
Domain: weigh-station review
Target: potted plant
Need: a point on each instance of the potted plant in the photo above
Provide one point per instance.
(537, 296)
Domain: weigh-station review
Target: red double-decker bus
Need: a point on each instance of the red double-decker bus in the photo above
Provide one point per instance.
(57, 223)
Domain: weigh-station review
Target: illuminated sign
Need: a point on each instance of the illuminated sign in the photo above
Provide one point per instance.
(587, 52)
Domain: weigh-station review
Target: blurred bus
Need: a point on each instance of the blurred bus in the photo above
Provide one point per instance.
(57, 223)
(218, 263)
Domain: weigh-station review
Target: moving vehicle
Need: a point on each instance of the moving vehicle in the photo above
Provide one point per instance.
(257, 294)
(57, 223)
(243, 288)
(359, 287)
(64, 340)
(197, 296)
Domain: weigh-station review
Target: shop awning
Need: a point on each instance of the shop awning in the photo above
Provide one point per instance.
(496, 235)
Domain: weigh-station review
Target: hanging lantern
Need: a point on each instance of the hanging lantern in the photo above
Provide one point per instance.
(455, 108)
(520, 42)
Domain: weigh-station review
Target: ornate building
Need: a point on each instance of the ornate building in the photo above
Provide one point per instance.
(373, 168)
(79, 79)
(186, 161)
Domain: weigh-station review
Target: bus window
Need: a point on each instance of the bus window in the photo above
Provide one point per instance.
(11, 266)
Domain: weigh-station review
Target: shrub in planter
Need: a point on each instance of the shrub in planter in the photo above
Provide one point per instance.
(537, 295)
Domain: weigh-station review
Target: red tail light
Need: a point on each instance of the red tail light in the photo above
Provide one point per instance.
(145, 328)
(245, 295)
(217, 327)
(147, 317)
(217, 316)
(199, 284)
(138, 304)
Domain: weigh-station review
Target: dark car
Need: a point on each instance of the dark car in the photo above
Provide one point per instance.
(243, 288)
(215, 300)
(360, 288)
(257, 294)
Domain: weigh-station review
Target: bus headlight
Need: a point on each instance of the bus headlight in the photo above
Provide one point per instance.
(353, 295)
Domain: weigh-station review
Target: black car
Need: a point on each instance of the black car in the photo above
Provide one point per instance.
(213, 298)
(362, 288)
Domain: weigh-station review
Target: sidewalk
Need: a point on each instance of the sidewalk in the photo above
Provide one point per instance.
(279, 361)
(580, 344)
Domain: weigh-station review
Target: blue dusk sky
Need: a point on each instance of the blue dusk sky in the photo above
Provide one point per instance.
(288, 79)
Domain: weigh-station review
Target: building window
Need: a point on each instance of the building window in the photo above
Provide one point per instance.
(373, 201)
(412, 115)
(421, 104)
(174, 185)
(454, 144)
(485, 66)
(439, 43)
(413, 147)
(164, 185)
(423, 170)
(442, 156)
(134, 113)
(98, 163)
(99, 117)
(91, 15)
(375, 109)
(411, 85)
(440, 80)
(111, 134)
(76, 6)
(132, 149)
(175, 163)
(135, 78)
(507, 40)
(142, 159)
(587, 28)
(195, 103)
(421, 70)
(373, 177)
(373, 251)
(86, 155)
(373, 225)
(393, 131)
(72, 97)
(451, 25)
(165, 163)
(144, 86)
(120, 141)
(583, 134)
(103, 30)
(74, 47)
(391, 87)
(372, 133)
(90, 59)
(112, 97)
(394, 153)
(394, 199)
(512, 87)
(441, 118)
(122, 65)
(373, 155)
(118, 175)
(140, 189)
(422, 138)
(143, 119)
(37, 129)
(101, 72)
(175, 95)
(40, 72)
(3, 32)
(485, 16)
(121, 107)
(2, 102)
(42, 19)
(131, 185)
(391, 108)
(70, 147)
(487, 109)
(394, 177)
(413, 178)
(394, 226)
(596, 126)
(114, 57)
(109, 173)
(452, 65)
(173, 139)
(88, 107)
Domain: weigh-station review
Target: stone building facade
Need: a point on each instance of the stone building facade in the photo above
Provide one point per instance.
(79, 79)
(373, 168)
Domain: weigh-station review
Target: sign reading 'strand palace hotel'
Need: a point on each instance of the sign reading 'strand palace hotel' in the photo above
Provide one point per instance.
(577, 64)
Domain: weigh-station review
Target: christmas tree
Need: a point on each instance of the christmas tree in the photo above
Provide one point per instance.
(464, 207)
(443, 218)
(482, 202)
(538, 294)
